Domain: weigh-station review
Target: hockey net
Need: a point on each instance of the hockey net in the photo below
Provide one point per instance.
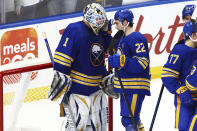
(23, 94)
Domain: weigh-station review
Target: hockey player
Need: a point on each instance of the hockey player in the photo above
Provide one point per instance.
(79, 58)
(191, 83)
(132, 61)
(174, 73)
(187, 12)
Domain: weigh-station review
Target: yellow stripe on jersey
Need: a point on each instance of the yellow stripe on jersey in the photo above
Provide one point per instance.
(84, 75)
(62, 59)
(167, 75)
(170, 70)
(62, 63)
(143, 61)
(64, 55)
(192, 123)
(84, 83)
(133, 104)
(190, 87)
(133, 87)
(178, 112)
(84, 79)
(166, 72)
(132, 83)
(142, 64)
(133, 79)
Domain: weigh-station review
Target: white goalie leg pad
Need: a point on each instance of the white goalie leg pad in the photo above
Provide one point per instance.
(80, 106)
(99, 111)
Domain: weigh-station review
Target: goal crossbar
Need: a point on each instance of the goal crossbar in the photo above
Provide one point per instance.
(32, 67)
(15, 71)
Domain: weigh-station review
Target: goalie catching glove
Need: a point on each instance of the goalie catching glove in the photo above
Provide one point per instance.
(60, 86)
(107, 86)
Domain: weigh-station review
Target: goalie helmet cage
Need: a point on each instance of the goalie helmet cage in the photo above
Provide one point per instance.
(36, 68)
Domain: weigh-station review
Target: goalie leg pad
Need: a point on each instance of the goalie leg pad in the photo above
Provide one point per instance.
(80, 106)
(99, 111)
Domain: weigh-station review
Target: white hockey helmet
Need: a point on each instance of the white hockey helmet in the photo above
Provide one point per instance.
(95, 15)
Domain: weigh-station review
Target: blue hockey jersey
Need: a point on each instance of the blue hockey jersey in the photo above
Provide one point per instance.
(178, 67)
(135, 75)
(81, 54)
(191, 81)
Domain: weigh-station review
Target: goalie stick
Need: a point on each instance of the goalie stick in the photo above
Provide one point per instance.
(114, 40)
(70, 118)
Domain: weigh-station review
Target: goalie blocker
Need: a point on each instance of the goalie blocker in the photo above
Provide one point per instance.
(60, 85)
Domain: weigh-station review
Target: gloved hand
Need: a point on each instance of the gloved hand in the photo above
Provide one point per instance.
(107, 26)
(117, 61)
(185, 96)
(59, 87)
(107, 86)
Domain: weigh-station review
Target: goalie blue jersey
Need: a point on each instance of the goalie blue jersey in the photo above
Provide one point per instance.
(178, 67)
(135, 75)
(191, 81)
(81, 55)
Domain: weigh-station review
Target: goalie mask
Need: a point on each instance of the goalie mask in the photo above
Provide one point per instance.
(95, 15)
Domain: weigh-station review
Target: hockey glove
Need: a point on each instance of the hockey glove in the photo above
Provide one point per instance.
(107, 86)
(107, 26)
(185, 96)
(60, 86)
(117, 61)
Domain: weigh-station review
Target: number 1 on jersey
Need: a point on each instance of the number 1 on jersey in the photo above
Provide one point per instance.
(66, 41)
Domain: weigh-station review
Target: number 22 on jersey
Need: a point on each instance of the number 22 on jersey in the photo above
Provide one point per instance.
(140, 47)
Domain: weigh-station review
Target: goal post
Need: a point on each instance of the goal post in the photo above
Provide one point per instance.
(28, 67)
(9, 70)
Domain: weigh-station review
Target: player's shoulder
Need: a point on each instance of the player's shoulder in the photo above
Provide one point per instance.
(137, 36)
(74, 27)
(180, 42)
(182, 48)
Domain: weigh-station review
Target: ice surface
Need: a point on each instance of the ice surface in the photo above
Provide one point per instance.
(44, 114)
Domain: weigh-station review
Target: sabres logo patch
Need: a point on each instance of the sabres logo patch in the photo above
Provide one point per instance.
(96, 54)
